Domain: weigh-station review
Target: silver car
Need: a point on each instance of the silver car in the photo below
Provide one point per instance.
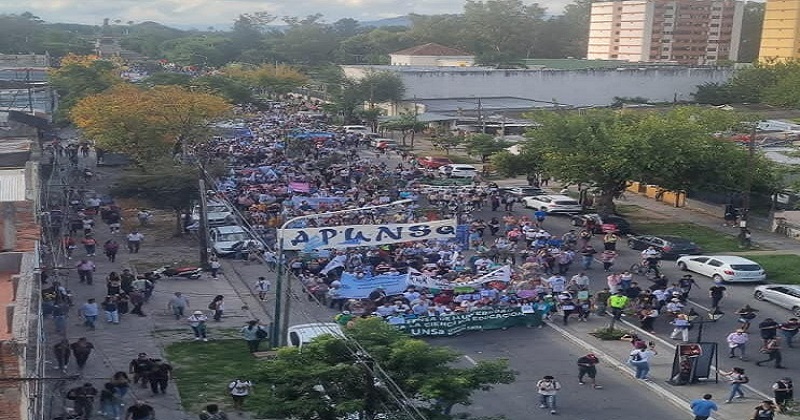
(785, 295)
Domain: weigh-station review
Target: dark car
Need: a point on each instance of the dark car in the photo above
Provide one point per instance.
(670, 247)
(623, 227)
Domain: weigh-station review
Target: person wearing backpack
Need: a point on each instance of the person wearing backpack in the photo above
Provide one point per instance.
(253, 334)
(640, 357)
(548, 387)
(736, 377)
(764, 411)
(783, 390)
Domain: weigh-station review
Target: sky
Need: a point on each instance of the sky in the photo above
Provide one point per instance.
(201, 14)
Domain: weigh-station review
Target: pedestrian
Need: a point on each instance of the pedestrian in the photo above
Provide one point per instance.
(110, 248)
(768, 329)
(212, 412)
(647, 317)
(703, 408)
(62, 351)
(59, 314)
(215, 265)
(681, 326)
(113, 284)
(81, 349)
(587, 366)
(746, 314)
(737, 378)
(716, 293)
(134, 241)
(218, 306)
(137, 300)
(253, 334)
(737, 340)
(789, 330)
(85, 270)
(89, 311)
(772, 348)
(783, 390)
(140, 411)
(548, 388)
(111, 310)
(263, 287)
(121, 382)
(126, 280)
(89, 244)
(159, 376)
(607, 258)
(617, 302)
(764, 411)
(140, 367)
(239, 390)
(110, 402)
(178, 304)
(83, 398)
(640, 357)
(198, 323)
(610, 241)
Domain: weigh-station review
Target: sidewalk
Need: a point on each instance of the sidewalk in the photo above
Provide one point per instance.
(614, 354)
(117, 345)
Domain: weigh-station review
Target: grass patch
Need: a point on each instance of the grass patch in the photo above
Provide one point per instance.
(779, 268)
(708, 239)
(204, 370)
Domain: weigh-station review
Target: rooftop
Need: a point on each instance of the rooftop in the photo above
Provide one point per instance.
(432, 49)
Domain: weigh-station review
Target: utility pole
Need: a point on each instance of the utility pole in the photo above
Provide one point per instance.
(203, 229)
(748, 185)
(480, 117)
(280, 317)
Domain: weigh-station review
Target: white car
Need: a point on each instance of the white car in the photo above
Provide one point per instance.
(785, 295)
(218, 214)
(727, 268)
(553, 204)
(456, 170)
(299, 335)
(228, 240)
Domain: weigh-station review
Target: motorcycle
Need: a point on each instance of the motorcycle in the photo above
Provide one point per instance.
(193, 273)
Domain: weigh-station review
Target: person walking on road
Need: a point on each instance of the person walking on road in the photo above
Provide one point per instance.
(62, 352)
(89, 311)
(85, 270)
(83, 397)
(737, 340)
(253, 334)
(764, 411)
(703, 408)
(178, 305)
(140, 411)
(737, 378)
(215, 266)
(783, 391)
(81, 349)
(134, 241)
(159, 376)
(716, 293)
(587, 366)
(239, 391)
(746, 314)
(772, 348)
(110, 248)
(768, 329)
(263, 287)
(198, 323)
(111, 310)
(140, 367)
(640, 357)
(789, 329)
(548, 388)
(218, 306)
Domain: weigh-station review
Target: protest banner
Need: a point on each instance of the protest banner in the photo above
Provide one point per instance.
(355, 287)
(340, 237)
(456, 323)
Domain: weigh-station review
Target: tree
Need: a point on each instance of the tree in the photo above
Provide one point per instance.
(526, 162)
(267, 79)
(605, 149)
(329, 380)
(168, 78)
(447, 141)
(484, 145)
(79, 77)
(502, 31)
(381, 86)
(148, 123)
(406, 124)
(164, 184)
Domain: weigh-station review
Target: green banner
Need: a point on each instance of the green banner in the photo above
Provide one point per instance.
(456, 323)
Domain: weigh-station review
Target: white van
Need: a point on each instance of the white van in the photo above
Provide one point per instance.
(301, 334)
(357, 129)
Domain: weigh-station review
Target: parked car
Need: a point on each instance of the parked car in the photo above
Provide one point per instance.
(523, 191)
(621, 225)
(434, 162)
(458, 171)
(553, 204)
(670, 247)
(381, 143)
(228, 240)
(727, 268)
(357, 129)
(785, 295)
(217, 214)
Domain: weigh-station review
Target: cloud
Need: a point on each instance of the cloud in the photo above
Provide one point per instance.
(202, 13)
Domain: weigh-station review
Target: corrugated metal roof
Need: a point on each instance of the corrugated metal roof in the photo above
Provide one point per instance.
(12, 185)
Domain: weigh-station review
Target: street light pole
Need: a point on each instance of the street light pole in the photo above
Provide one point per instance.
(280, 323)
(748, 185)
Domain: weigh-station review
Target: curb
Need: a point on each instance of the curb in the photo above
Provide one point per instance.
(623, 368)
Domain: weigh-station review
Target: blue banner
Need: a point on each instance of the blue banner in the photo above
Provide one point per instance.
(354, 287)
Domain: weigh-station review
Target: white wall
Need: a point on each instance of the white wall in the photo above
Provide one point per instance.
(432, 60)
(572, 87)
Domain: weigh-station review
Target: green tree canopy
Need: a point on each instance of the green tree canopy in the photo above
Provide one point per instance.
(329, 379)
(484, 145)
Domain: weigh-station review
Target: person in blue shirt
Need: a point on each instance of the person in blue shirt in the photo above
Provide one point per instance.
(703, 408)
(539, 215)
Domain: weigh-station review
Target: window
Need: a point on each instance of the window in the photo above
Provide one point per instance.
(715, 263)
(665, 48)
(667, 23)
(665, 57)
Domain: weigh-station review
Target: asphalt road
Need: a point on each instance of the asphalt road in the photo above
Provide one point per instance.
(537, 352)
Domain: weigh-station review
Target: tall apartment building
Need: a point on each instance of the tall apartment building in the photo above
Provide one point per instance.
(691, 32)
(780, 37)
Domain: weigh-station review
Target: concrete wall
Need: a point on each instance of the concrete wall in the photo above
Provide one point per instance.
(570, 87)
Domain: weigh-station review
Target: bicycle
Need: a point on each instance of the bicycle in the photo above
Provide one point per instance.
(647, 270)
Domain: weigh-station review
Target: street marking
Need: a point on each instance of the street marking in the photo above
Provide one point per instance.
(471, 360)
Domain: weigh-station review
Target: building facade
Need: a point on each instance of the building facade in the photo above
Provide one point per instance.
(692, 32)
(432, 55)
(780, 38)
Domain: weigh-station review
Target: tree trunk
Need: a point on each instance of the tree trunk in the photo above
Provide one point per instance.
(179, 223)
(413, 132)
(604, 203)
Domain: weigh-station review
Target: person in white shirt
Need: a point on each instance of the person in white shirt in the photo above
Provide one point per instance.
(548, 388)
(263, 287)
(134, 242)
(640, 359)
(737, 340)
(239, 390)
(580, 281)
(198, 323)
(557, 283)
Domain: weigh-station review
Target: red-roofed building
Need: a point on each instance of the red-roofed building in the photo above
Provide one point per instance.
(432, 55)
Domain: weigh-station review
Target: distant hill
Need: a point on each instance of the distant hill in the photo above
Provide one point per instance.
(395, 21)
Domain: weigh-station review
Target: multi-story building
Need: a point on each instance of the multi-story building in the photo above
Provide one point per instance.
(780, 38)
(688, 32)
